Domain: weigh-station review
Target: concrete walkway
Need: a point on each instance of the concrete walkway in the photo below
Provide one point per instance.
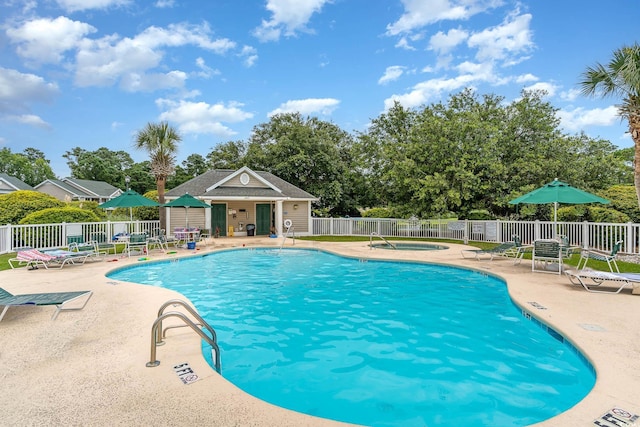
(87, 368)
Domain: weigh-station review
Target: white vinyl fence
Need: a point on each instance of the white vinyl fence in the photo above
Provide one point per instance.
(47, 236)
(584, 234)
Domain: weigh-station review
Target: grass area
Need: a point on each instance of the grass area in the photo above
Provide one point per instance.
(625, 267)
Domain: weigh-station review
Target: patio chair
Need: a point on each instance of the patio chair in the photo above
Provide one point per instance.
(500, 250)
(609, 258)
(104, 244)
(90, 249)
(592, 279)
(58, 299)
(137, 244)
(546, 252)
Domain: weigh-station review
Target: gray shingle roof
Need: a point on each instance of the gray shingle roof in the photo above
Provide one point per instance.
(198, 187)
(14, 182)
(96, 188)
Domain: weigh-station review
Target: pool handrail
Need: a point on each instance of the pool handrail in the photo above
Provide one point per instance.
(157, 332)
(380, 236)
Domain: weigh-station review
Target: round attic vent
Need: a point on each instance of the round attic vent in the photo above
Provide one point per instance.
(244, 178)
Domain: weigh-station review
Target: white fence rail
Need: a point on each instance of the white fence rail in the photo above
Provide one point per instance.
(584, 234)
(47, 236)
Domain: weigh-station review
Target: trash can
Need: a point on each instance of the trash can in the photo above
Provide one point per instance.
(251, 229)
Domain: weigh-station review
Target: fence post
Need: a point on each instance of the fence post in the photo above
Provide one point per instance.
(466, 232)
(585, 235)
(629, 241)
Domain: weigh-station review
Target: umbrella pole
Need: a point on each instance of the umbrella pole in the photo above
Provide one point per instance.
(130, 214)
(555, 220)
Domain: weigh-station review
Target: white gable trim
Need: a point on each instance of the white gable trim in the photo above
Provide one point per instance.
(72, 183)
(238, 172)
(10, 185)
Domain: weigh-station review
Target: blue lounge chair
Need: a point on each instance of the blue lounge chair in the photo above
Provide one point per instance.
(58, 299)
(503, 249)
(609, 258)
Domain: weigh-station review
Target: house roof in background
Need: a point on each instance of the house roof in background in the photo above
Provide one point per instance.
(84, 189)
(14, 182)
(97, 188)
(199, 185)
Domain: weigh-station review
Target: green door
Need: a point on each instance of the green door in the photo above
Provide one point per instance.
(219, 218)
(263, 219)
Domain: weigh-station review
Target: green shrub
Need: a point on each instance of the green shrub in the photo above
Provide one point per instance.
(147, 213)
(378, 213)
(18, 204)
(89, 206)
(60, 215)
(623, 198)
(479, 214)
(598, 214)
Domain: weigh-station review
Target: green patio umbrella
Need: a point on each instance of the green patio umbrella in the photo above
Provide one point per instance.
(558, 192)
(128, 199)
(186, 201)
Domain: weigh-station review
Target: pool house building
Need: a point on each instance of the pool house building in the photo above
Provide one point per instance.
(243, 202)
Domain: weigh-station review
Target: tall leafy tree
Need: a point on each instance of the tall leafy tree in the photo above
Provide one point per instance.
(229, 155)
(102, 164)
(307, 152)
(191, 167)
(30, 166)
(160, 140)
(621, 78)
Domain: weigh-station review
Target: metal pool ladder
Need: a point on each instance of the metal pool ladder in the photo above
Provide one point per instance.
(158, 334)
(380, 236)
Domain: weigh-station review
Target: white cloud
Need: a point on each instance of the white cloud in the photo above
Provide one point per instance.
(78, 5)
(134, 82)
(165, 3)
(504, 42)
(549, 88)
(288, 18)
(45, 40)
(419, 13)
(570, 95)
(403, 43)
(105, 61)
(526, 78)
(391, 73)
(309, 106)
(202, 118)
(18, 90)
(579, 118)
(444, 43)
(205, 71)
(29, 120)
(250, 55)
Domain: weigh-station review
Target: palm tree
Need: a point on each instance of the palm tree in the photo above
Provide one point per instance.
(161, 142)
(620, 77)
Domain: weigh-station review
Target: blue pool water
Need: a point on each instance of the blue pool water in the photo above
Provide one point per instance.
(375, 342)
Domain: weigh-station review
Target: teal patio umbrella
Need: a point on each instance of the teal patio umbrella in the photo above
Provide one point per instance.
(186, 201)
(558, 192)
(128, 199)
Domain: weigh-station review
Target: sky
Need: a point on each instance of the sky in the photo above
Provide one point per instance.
(91, 73)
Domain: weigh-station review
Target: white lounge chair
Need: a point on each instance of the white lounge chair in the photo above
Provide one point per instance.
(593, 281)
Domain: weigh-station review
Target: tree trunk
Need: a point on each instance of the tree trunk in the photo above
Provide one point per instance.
(160, 183)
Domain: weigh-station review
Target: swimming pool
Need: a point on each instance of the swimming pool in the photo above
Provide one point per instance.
(375, 342)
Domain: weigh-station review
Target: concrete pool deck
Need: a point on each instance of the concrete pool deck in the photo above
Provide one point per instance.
(88, 367)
